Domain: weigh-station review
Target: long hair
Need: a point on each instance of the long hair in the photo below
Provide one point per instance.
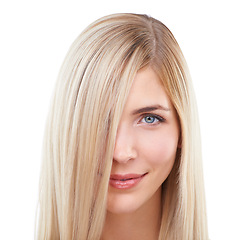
(91, 90)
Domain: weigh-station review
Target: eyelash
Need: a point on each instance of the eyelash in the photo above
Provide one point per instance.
(156, 117)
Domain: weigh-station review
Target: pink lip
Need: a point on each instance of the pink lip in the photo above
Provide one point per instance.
(125, 181)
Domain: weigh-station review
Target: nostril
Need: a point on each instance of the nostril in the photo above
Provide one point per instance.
(122, 159)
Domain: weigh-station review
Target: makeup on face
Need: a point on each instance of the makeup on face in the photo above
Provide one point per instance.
(125, 181)
(145, 147)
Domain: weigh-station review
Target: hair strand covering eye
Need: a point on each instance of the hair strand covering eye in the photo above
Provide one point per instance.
(91, 90)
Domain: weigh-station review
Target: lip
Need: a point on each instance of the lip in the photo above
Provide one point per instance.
(125, 181)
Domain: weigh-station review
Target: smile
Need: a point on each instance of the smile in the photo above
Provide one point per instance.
(126, 181)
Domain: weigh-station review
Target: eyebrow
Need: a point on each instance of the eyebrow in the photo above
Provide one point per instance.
(150, 109)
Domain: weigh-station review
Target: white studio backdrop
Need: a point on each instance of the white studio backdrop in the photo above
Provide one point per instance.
(35, 36)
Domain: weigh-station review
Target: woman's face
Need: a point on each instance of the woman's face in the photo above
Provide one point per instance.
(146, 144)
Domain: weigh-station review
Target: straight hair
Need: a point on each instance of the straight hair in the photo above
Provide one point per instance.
(90, 93)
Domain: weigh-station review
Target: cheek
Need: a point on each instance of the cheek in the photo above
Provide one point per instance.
(160, 147)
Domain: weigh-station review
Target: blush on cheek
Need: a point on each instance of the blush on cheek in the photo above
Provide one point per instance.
(162, 150)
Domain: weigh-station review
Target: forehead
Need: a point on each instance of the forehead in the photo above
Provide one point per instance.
(147, 90)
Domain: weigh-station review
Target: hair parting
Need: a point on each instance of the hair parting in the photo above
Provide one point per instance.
(90, 93)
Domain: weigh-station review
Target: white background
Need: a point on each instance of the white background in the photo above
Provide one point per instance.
(35, 36)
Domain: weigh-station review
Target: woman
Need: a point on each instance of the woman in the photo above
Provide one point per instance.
(122, 157)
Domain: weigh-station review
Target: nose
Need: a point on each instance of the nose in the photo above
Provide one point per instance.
(125, 145)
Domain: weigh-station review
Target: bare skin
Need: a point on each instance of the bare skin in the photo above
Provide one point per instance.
(146, 144)
(144, 224)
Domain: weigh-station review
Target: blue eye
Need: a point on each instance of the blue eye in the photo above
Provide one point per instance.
(149, 119)
(152, 119)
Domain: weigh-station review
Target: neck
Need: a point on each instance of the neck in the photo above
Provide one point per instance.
(142, 224)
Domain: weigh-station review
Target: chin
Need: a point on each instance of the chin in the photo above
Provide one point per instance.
(122, 206)
(121, 209)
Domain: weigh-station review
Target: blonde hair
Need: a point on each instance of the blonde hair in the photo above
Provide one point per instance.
(90, 93)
